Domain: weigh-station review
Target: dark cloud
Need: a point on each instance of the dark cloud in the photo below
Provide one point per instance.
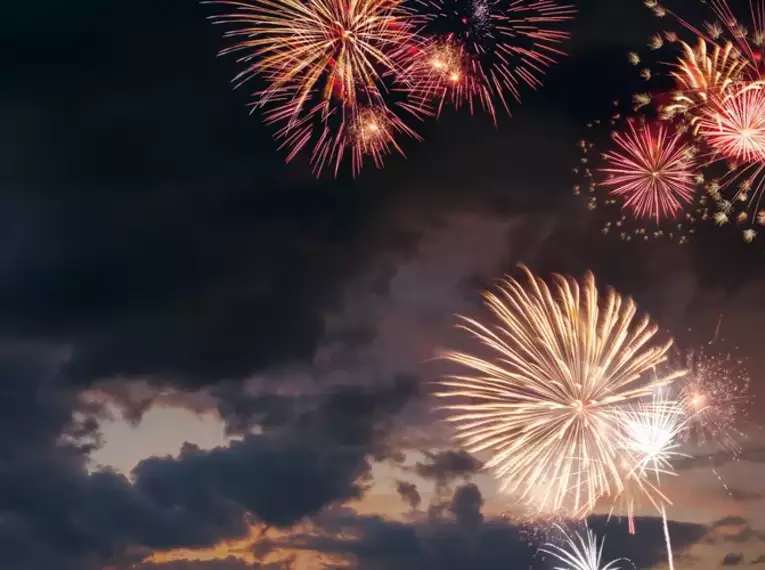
(734, 530)
(80, 521)
(446, 466)
(446, 544)
(281, 478)
(408, 492)
(230, 563)
(732, 559)
(466, 508)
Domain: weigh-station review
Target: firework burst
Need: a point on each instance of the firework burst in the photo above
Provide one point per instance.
(580, 551)
(720, 95)
(715, 391)
(602, 150)
(651, 437)
(734, 124)
(547, 404)
(499, 45)
(326, 63)
(652, 171)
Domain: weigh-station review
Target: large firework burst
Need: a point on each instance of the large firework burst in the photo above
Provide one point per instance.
(498, 46)
(653, 171)
(546, 402)
(328, 66)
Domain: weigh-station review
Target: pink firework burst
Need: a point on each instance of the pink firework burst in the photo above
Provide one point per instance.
(653, 170)
(734, 125)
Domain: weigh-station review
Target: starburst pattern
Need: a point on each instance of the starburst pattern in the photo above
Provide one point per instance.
(653, 171)
(547, 404)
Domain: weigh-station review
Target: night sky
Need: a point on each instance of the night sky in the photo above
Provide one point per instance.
(212, 361)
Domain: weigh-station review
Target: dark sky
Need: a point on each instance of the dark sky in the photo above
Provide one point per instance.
(157, 255)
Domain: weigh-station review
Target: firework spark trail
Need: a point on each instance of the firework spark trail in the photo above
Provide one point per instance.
(667, 539)
(547, 405)
(652, 170)
(502, 44)
(324, 62)
(582, 552)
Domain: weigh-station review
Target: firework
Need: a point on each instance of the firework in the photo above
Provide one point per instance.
(653, 171)
(701, 74)
(581, 552)
(651, 438)
(715, 390)
(499, 44)
(720, 95)
(325, 64)
(547, 403)
(734, 125)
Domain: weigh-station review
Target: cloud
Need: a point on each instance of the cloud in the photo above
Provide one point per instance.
(374, 543)
(281, 478)
(82, 521)
(753, 454)
(446, 466)
(742, 495)
(732, 559)
(230, 563)
(733, 530)
(466, 508)
(408, 492)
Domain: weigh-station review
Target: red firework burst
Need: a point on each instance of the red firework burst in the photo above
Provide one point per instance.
(734, 125)
(495, 46)
(652, 171)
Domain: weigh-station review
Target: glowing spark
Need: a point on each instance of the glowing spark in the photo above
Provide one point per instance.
(547, 406)
(653, 171)
(582, 552)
